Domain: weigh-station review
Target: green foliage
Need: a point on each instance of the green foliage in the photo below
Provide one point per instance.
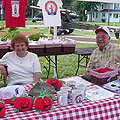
(31, 29)
(103, 20)
(12, 29)
(29, 23)
(35, 37)
(67, 2)
(34, 2)
(33, 20)
(92, 23)
(28, 10)
(8, 35)
(2, 27)
(80, 6)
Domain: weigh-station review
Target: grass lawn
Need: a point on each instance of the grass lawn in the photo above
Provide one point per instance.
(102, 23)
(45, 29)
(67, 64)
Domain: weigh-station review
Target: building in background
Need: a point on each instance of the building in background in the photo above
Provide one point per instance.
(106, 13)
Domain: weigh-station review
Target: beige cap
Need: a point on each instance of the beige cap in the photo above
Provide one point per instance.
(105, 29)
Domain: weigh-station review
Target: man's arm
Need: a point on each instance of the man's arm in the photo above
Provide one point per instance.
(90, 63)
(117, 57)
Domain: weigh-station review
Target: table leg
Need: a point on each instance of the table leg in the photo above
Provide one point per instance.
(55, 67)
(87, 60)
(78, 65)
(48, 70)
(79, 60)
(50, 65)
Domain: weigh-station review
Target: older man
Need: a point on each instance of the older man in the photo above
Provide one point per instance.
(106, 54)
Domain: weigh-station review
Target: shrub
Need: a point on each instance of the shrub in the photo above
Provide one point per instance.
(12, 29)
(103, 20)
(35, 37)
(33, 20)
(2, 27)
(8, 35)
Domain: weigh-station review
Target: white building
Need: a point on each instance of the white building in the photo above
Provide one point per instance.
(108, 12)
(1, 11)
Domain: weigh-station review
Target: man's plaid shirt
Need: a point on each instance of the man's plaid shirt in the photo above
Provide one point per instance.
(100, 59)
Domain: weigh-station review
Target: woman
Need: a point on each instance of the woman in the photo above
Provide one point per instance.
(23, 67)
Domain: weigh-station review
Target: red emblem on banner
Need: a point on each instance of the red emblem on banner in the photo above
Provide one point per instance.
(51, 7)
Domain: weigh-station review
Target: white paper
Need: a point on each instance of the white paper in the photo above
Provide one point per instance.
(95, 93)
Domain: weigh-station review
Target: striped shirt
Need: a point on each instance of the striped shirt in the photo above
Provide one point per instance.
(109, 57)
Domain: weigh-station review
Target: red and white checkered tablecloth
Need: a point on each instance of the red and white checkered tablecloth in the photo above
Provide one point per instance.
(108, 109)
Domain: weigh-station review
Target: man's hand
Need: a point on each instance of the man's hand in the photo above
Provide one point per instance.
(87, 72)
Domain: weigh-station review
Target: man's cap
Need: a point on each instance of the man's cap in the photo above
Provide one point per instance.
(103, 28)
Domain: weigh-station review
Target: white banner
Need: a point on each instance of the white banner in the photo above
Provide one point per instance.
(107, 1)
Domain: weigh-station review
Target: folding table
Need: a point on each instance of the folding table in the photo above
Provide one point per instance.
(106, 109)
(44, 50)
(83, 53)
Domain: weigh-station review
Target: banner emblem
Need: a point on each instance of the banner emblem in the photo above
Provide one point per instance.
(15, 8)
(51, 8)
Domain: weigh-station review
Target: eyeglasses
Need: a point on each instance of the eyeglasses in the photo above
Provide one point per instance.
(102, 37)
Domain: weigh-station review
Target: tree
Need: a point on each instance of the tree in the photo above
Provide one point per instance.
(80, 7)
(28, 10)
(67, 4)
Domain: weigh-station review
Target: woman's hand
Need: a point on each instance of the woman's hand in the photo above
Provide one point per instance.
(3, 72)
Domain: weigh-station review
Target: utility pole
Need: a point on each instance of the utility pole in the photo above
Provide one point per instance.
(1, 14)
(108, 13)
(32, 9)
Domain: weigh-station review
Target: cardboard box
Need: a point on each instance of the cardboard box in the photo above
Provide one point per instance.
(38, 49)
(3, 50)
(68, 47)
(53, 48)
